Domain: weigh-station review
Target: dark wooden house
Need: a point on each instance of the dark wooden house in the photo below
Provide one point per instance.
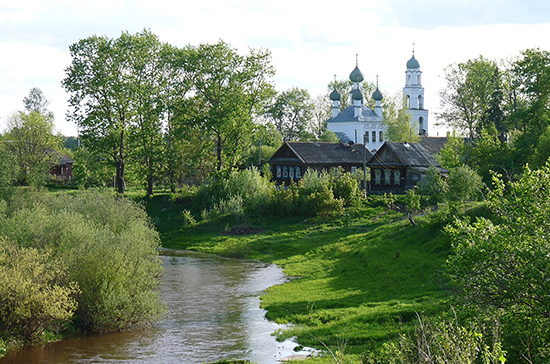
(397, 167)
(62, 168)
(292, 159)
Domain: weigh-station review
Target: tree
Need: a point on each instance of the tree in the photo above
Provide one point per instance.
(101, 98)
(37, 102)
(292, 112)
(30, 137)
(230, 89)
(466, 101)
(399, 127)
(503, 264)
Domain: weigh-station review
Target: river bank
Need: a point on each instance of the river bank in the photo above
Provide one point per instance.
(362, 277)
(213, 314)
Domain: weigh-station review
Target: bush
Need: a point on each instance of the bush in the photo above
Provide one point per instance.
(108, 247)
(463, 184)
(34, 294)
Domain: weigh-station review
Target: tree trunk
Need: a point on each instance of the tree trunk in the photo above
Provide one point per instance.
(219, 152)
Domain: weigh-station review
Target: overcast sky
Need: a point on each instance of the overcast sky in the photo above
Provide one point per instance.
(310, 41)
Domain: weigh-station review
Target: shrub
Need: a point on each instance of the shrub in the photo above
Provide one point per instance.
(463, 184)
(109, 249)
(34, 294)
(345, 187)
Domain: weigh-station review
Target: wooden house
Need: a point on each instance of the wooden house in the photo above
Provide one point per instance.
(397, 167)
(62, 167)
(292, 159)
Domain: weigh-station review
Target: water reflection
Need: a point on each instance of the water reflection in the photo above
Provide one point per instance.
(213, 314)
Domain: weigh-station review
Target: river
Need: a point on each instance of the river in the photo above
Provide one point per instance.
(213, 313)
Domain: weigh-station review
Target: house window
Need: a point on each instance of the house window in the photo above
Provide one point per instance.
(397, 178)
(298, 172)
(353, 170)
(377, 177)
(381, 136)
(374, 137)
(414, 176)
(285, 172)
(291, 172)
(387, 177)
(278, 171)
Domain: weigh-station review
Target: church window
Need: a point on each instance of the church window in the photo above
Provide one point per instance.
(278, 171)
(366, 137)
(298, 173)
(377, 177)
(291, 172)
(408, 101)
(374, 137)
(381, 136)
(387, 177)
(409, 80)
(420, 102)
(285, 172)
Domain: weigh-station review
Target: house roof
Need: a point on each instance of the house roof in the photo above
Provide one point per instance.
(412, 155)
(433, 144)
(312, 153)
(60, 159)
(349, 115)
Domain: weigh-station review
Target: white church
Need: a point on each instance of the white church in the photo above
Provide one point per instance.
(360, 124)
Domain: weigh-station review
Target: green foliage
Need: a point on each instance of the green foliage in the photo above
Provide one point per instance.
(107, 247)
(494, 261)
(34, 294)
(412, 199)
(291, 112)
(8, 173)
(329, 137)
(464, 184)
(433, 189)
(441, 340)
(31, 140)
(91, 170)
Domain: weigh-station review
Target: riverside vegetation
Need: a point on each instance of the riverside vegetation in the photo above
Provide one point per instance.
(75, 261)
(366, 285)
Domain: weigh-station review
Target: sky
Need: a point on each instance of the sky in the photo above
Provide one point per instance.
(310, 41)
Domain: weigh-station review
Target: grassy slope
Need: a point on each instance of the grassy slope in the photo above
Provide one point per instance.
(360, 277)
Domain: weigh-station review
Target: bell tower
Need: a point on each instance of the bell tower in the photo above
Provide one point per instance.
(413, 96)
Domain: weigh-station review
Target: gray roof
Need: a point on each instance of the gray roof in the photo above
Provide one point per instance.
(312, 153)
(433, 144)
(412, 155)
(349, 115)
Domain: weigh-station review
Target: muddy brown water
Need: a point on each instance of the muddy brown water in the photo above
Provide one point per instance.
(213, 313)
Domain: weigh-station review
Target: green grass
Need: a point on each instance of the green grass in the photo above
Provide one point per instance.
(361, 278)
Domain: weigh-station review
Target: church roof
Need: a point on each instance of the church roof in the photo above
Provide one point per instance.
(413, 63)
(335, 95)
(349, 115)
(356, 76)
(377, 95)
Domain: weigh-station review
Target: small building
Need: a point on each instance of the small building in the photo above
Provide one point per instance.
(293, 159)
(62, 168)
(397, 167)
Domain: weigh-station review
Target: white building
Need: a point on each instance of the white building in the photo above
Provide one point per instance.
(358, 123)
(413, 96)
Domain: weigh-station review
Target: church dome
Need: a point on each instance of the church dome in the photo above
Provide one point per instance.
(377, 95)
(335, 95)
(413, 63)
(356, 75)
(357, 95)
